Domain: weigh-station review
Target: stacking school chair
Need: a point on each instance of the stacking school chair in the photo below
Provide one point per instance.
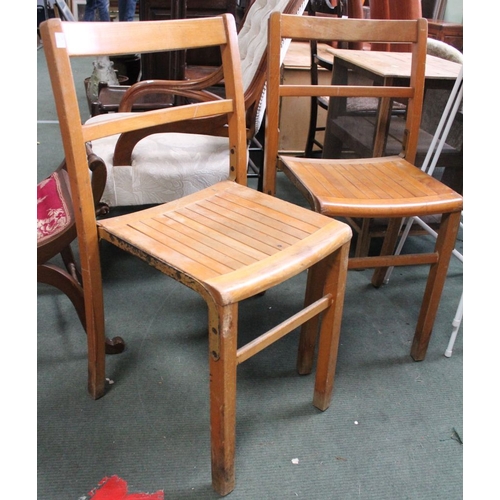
(228, 242)
(388, 187)
(136, 172)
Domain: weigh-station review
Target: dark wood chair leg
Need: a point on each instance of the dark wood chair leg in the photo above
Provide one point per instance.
(309, 331)
(71, 287)
(388, 247)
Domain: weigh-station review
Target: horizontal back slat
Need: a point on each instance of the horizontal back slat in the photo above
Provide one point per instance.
(349, 30)
(148, 36)
(345, 91)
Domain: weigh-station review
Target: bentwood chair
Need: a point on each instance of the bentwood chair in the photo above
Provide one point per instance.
(387, 187)
(136, 174)
(227, 242)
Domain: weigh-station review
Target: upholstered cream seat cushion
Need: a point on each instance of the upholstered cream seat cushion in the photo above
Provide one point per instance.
(164, 167)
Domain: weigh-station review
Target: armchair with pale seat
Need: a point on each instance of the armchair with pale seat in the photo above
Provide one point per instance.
(228, 242)
(136, 175)
(386, 187)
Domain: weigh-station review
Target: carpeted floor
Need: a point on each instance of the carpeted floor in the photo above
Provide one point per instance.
(394, 430)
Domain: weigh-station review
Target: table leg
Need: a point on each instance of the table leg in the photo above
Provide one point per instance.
(383, 122)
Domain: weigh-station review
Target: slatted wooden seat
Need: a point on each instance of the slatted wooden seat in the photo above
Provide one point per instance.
(228, 242)
(389, 187)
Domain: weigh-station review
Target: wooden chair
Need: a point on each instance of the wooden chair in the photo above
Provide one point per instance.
(228, 242)
(388, 187)
(136, 177)
(56, 231)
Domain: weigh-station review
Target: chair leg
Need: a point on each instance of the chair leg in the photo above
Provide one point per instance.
(55, 276)
(334, 284)
(309, 330)
(388, 247)
(311, 134)
(223, 321)
(457, 321)
(319, 281)
(96, 340)
(445, 244)
(363, 243)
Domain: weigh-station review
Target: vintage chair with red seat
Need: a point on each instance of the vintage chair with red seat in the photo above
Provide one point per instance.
(388, 187)
(227, 242)
(56, 230)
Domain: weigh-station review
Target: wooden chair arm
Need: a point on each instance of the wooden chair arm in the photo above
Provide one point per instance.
(187, 88)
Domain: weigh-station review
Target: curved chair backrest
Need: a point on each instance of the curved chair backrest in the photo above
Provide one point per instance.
(444, 51)
(252, 41)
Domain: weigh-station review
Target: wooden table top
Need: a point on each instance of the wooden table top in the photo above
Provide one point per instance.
(298, 55)
(396, 64)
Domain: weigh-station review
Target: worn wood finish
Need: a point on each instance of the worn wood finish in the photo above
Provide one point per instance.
(389, 187)
(227, 242)
(381, 65)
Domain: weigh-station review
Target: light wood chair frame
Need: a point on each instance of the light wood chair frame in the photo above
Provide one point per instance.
(191, 250)
(375, 183)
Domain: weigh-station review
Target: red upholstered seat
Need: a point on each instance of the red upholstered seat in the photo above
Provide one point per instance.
(54, 210)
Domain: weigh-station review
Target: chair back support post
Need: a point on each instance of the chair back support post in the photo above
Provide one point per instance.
(74, 146)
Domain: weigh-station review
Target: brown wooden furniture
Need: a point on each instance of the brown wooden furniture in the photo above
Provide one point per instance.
(227, 242)
(366, 131)
(56, 231)
(379, 68)
(390, 187)
(171, 66)
(145, 183)
(450, 33)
